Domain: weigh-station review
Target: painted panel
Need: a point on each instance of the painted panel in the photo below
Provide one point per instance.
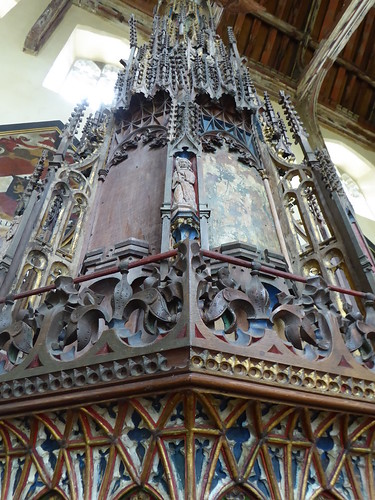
(238, 203)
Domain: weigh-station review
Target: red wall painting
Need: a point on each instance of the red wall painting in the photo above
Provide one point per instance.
(20, 149)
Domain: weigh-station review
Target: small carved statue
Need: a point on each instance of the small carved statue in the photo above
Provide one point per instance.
(52, 217)
(183, 185)
(13, 227)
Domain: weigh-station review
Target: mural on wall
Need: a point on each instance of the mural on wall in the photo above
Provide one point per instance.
(238, 203)
(20, 149)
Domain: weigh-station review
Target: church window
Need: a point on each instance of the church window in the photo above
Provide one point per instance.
(87, 66)
(90, 80)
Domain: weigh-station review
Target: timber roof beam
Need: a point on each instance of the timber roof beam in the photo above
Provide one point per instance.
(330, 47)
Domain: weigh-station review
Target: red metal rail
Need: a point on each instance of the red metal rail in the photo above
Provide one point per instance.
(99, 274)
(172, 253)
(275, 272)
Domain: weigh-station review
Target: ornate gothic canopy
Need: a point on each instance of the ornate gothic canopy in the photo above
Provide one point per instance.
(319, 50)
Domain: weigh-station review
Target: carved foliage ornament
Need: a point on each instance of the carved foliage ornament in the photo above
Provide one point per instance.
(76, 320)
(153, 137)
(306, 319)
(139, 317)
(232, 309)
(210, 143)
(72, 320)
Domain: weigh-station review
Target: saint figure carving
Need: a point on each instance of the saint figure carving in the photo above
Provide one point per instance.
(183, 185)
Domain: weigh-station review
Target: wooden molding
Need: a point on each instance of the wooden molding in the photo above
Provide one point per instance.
(45, 25)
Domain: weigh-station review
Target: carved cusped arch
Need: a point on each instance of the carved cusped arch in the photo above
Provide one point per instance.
(240, 493)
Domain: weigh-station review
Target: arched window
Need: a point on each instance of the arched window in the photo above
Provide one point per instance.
(87, 66)
(357, 176)
(90, 80)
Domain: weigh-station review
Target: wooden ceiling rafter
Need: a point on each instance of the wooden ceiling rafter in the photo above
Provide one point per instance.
(287, 46)
(45, 25)
(269, 50)
(119, 11)
(329, 49)
(238, 24)
(274, 22)
(365, 38)
(328, 20)
(299, 60)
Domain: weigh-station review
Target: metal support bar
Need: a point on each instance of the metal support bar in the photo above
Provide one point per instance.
(172, 253)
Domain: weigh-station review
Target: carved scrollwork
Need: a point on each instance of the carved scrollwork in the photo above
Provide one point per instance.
(359, 333)
(211, 142)
(225, 305)
(72, 320)
(121, 153)
(17, 335)
(230, 307)
(305, 320)
(76, 322)
(153, 137)
(234, 304)
(140, 316)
